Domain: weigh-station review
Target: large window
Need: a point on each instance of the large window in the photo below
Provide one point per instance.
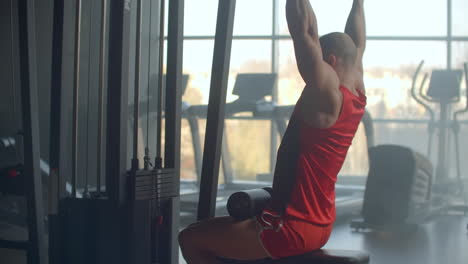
(390, 66)
(406, 18)
(401, 34)
(251, 56)
(460, 9)
(256, 18)
(460, 53)
(200, 19)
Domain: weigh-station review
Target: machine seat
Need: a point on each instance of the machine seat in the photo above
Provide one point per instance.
(324, 256)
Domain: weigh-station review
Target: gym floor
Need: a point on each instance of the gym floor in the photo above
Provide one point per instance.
(442, 240)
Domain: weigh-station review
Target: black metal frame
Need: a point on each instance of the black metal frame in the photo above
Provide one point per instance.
(117, 110)
(173, 115)
(76, 217)
(56, 183)
(29, 100)
(56, 92)
(217, 102)
(76, 89)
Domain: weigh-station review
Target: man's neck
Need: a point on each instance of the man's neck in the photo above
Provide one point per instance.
(347, 79)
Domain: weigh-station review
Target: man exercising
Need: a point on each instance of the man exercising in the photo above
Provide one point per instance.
(311, 154)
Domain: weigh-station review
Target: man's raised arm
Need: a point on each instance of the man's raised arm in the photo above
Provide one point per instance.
(301, 19)
(356, 28)
(302, 25)
(323, 98)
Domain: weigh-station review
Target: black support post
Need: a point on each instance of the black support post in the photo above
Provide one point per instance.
(216, 109)
(29, 101)
(56, 96)
(117, 110)
(174, 84)
(274, 69)
(56, 182)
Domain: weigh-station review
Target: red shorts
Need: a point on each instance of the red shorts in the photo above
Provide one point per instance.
(284, 236)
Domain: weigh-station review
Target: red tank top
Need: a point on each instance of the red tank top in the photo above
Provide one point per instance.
(321, 155)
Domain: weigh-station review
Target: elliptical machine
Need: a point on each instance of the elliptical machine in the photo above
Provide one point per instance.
(444, 90)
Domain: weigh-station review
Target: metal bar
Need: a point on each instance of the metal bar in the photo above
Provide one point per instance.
(29, 96)
(91, 9)
(409, 121)
(274, 69)
(402, 121)
(117, 100)
(174, 81)
(174, 84)
(449, 34)
(376, 38)
(56, 107)
(102, 85)
(65, 139)
(196, 145)
(76, 88)
(226, 159)
(216, 109)
(441, 168)
(158, 159)
(147, 159)
(456, 132)
(422, 103)
(369, 128)
(465, 67)
(379, 120)
(457, 161)
(136, 98)
(56, 183)
(16, 117)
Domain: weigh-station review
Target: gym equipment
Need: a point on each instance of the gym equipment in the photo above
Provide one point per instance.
(398, 189)
(444, 90)
(86, 192)
(216, 109)
(252, 88)
(322, 256)
(9, 160)
(7, 143)
(12, 180)
(246, 204)
(24, 68)
(157, 185)
(131, 218)
(76, 87)
(158, 159)
(456, 132)
(102, 85)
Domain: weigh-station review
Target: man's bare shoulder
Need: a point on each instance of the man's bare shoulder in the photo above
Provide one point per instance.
(320, 102)
(330, 80)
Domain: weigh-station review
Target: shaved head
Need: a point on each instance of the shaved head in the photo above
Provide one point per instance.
(340, 45)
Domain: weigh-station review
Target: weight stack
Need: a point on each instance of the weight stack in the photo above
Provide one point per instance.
(398, 188)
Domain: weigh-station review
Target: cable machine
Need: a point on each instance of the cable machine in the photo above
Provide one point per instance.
(126, 214)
